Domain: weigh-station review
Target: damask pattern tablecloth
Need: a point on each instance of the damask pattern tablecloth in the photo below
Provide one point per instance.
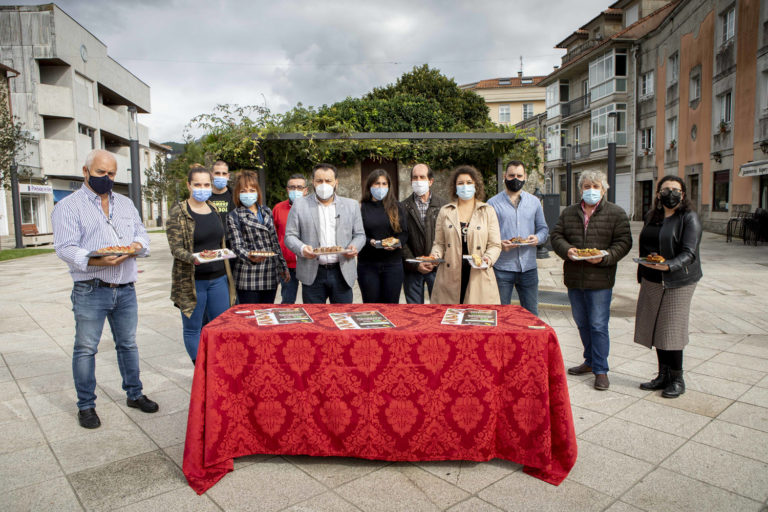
(417, 392)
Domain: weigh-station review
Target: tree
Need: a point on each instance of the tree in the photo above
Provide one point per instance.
(13, 138)
(159, 180)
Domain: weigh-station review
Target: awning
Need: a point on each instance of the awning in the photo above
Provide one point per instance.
(58, 195)
(750, 169)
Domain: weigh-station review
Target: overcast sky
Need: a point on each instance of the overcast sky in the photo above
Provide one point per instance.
(196, 54)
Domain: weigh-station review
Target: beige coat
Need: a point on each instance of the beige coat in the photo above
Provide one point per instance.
(483, 238)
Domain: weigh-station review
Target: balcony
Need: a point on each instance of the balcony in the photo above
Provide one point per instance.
(725, 59)
(115, 121)
(578, 50)
(55, 101)
(57, 157)
(573, 107)
(581, 152)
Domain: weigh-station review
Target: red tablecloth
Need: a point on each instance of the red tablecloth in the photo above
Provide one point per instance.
(420, 391)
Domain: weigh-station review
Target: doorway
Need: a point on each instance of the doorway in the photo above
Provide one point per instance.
(371, 164)
(693, 191)
(647, 197)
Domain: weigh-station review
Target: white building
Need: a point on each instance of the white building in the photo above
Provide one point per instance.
(72, 97)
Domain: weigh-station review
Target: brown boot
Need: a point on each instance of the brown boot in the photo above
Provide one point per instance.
(601, 382)
(582, 369)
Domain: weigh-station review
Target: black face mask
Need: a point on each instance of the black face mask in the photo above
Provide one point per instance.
(514, 185)
(671, 198)
(100, 184)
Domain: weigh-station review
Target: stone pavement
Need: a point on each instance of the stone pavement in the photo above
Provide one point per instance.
(707, 450)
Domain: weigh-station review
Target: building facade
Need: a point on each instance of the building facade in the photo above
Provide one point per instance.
(510, 100)
(71, 97)
(682, 88)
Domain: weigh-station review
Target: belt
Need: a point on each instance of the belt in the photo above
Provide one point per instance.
(104, 284)
(329, 265)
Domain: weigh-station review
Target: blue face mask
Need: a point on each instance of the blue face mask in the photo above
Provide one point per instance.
(201, 194)
(465, 191)
(379, 193)
(248, 198)
(220, 182)
(293, 195)
(591, 196)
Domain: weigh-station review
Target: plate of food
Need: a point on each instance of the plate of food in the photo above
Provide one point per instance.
(261, 254)
(651, 258)
(211, 255)
(117, 250)
(334, 249)
(589, 254)
(425, 259)
(476, 261)
(390, 242)
(518, 241)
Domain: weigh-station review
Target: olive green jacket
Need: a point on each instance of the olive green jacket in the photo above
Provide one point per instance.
(180, 231)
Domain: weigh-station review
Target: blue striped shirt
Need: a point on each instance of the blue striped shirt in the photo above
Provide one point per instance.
(80, 226)
(522, 221)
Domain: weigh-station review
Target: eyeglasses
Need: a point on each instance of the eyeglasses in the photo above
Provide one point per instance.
(295, 187)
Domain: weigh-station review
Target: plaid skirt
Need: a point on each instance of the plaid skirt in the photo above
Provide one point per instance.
(662, 315)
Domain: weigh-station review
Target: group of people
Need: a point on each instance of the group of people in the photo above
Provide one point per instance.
(480, 252)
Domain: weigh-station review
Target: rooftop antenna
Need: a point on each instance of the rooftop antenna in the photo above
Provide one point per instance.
(521, 65)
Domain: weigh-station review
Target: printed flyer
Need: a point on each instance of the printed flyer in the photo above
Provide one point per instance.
(361, 320)
(486, 317)
(280, 316)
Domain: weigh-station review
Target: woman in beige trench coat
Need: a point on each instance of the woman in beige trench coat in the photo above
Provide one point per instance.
(466, 220)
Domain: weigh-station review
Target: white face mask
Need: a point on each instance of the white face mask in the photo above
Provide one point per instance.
(324, 191)
(420, 187)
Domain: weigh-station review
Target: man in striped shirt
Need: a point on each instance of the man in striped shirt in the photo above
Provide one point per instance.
(91, 218)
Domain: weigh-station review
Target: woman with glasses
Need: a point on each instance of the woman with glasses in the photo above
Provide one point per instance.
(380, 271)
(671, 237)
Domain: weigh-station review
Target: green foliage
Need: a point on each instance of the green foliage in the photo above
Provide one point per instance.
(12, 254)
(13, 139)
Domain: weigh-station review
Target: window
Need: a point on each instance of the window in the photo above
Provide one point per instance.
(599, 125)
(646, 140)
(563, 189)
(89, 132)
(504, 81)
(725, 107)
(631, 15)
(553, 142)
(764, 92)
(604, 72)
(671, 132)
(585, 91)
(527, 111)
(695, 88)
(646, 85)
(504, 116)
(720, 191)
(28, 209)
(83, 90)
(576, 137)
(553, 100)
(728, 21)
(673, 68)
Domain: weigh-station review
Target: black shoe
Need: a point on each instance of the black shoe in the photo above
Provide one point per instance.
(582, 369)
(88, 418)
(676, 386)
(143, 403)
(660, 382)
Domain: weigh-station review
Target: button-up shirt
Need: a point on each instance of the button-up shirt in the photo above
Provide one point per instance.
(523, 220)
(327, 223)
(80, 227)
(422, 206)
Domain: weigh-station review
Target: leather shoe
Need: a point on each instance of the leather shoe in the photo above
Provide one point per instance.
(601, 382)
(582, 369)
(676, 385)
(88, 418)
(143, 403)
(660, 382)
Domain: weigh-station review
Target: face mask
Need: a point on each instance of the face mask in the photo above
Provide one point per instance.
(514, 185)
(671, 198)
(294, 195)
(324, 191)
(379, 193)
(100, 184)
(420, 187)
(591, 196)
(465, 191)
(201, 194)
(219, 182)
(248, 198)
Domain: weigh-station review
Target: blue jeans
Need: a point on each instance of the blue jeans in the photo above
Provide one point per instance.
(289, 290)
(380, 282)
(91, 305)
(591, 310)
(330, 285)
(413, 286)
(212, 300)
(527, 284)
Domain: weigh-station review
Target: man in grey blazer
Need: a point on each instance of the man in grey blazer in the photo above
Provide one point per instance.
(324, 219)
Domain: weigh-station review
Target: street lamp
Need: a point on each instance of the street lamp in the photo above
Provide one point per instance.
(568, 176)
(612, 116)
(16, 202)
(135, 188)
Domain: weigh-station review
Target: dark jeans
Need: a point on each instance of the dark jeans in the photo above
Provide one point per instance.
(92, 305)
(212, 300)
(591, 310)
(413, 285)
(256, 296)
(289, 290)
(330, 285)
(526, 283)
(380, 282)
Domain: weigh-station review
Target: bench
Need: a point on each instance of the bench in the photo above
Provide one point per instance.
(33, 237)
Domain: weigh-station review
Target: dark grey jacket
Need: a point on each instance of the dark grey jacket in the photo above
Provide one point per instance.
(679, 241)
(421, 235)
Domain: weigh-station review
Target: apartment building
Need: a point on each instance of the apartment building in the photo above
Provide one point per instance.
(71, 97)
(510, 99)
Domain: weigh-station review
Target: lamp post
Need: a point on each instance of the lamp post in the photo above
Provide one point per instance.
(612, 156)
(135, 188)
(16, 201)
(568, 176)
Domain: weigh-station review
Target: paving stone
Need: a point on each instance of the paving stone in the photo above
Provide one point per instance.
(709, 385)
(5, 374)
(736, 439)
(401, 486)
(26, 467)
(63, 425)
(18, 435)
(38, 368)
(172, 400)
(468, 475)
(14, 410)
(664, 490)
(755, 396)
(632, 439)
(334, 471)
(34, 356)
(627, 385)
(605, 402)
(659, 416)
(742, 361)
(585, 419)
(128, 481)
(166, 430)
(694, 401)
(152, 382)
(61, 381)
(732, 472)
(620, 506)
(183, 499)
(605, 470)
(730, 372)
(747, 415)
(53, 494)
(520, 492)
(474, 504)
(327, 502)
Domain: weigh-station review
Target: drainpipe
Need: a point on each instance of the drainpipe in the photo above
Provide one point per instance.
(633, 162)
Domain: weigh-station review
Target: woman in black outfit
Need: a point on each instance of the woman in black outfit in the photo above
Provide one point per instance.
(673, 231)
(380, 271)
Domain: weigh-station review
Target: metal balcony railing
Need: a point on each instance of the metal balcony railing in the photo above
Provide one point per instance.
(576, 106)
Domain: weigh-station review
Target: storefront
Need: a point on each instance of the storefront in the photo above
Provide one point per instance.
(35, 206)
(758, 170)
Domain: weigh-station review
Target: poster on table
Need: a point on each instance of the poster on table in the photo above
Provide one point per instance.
(485, 317)
(282, 316)
(361, 320)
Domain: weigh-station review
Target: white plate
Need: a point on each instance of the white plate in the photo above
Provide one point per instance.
(580, 258)
(472, 263)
